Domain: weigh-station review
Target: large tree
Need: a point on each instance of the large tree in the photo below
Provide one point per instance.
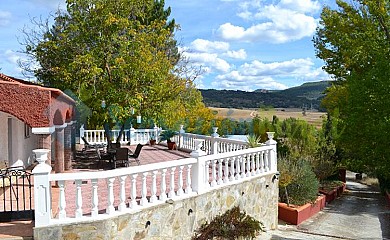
(122, 52)
(354, 42)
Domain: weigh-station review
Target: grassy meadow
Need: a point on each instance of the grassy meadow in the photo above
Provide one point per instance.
(311, 117)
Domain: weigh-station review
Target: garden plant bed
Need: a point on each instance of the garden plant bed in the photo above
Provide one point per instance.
(332, 190)
(297, 214)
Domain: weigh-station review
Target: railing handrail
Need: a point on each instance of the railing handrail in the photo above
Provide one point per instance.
(179, 179)
(121, 171)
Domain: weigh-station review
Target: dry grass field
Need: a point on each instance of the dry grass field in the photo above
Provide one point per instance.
(314, 118)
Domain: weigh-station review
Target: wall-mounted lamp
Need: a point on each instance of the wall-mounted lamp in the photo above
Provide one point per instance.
(147, 224)
(103, 104)
(190, 211)
(139, 119)
(276, 176)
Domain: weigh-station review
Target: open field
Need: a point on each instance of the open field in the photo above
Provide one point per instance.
(314, 117)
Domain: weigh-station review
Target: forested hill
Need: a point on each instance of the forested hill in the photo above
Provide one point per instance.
(308, 95)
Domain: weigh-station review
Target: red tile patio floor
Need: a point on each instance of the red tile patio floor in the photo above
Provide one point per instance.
(148, 155)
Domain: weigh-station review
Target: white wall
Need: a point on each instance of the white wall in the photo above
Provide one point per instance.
(3, 136)
(21, 146)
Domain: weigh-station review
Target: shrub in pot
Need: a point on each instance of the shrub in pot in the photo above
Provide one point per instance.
(167, 135)
(298, 183)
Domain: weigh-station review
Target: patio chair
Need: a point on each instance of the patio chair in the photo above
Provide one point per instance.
(136, 153)
(121, 157)
(102, 158)
(89, 146)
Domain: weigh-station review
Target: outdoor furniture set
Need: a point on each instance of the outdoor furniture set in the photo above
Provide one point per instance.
(117, 156)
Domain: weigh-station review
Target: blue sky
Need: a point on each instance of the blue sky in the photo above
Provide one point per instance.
(238, 44)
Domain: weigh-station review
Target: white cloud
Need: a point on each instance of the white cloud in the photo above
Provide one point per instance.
(259, 75)
(304, 6)
(284, 26)
(11, 56)
(234, 80)
(294, 67)
(240, 54)
(202, 45)
(208, 60)
(5, 18)
(289, 20)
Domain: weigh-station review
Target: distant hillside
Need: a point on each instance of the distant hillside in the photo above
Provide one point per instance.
(308, 94)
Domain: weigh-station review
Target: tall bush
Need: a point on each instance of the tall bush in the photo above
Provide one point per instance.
(298, 183)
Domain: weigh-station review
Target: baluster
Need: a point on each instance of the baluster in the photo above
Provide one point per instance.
(188, 187)
(243, 159)
(257, 162)
(238, 165)
(266, 166)
(220, 181)
(171, 193)
(144, 191)
(153, 198)
(79, 199)
(213, 173)
(163, 194)
(122, 193)
(270, 152)
(207, 173)
(248, 164)
(261, 161)
(110, 198)
(180, 190)
(133, 202)
(253, 164)
(95, 198)
(62, 201)
(232, 168)
(226, 171)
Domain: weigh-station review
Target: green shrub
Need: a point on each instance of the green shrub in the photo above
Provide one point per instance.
(230, 225)
(302, 185)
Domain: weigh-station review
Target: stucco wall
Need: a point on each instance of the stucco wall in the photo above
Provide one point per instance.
(258, 197)
(3, 136)
(21, 146)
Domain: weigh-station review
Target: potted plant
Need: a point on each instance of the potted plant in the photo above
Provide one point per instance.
(152, 141)
(167, 135)
(298, 191)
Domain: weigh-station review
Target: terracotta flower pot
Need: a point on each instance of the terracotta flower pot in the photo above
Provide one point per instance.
(298, 214)
(172, 145)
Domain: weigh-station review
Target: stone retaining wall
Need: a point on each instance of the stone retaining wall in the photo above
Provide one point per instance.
(178, 219)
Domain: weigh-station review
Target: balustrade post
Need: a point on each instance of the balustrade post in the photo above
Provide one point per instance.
(156, 133)
(82, 132)
(42, 189)
(198, 170)
(272, 154)
(181, 132)
(132, 135)
(214, 141)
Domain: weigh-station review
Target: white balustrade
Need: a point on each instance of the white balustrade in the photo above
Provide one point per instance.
(132, 136)
(126, 190)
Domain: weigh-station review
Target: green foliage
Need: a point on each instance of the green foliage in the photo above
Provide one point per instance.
(119, 51)
(166, 135)
(300, 183)
(328, 185)
(354, 42)
(253, 141)
(308, 94)
(233, 224)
